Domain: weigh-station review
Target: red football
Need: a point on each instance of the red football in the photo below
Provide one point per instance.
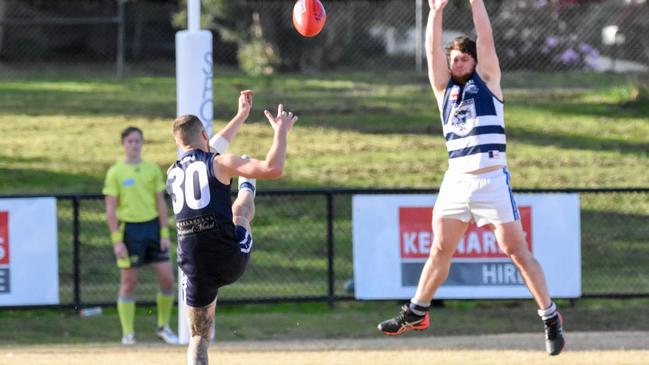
(309, 17)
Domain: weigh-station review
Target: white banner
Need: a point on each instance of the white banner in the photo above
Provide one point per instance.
(29, 268)
(194, 76)
(392, 235)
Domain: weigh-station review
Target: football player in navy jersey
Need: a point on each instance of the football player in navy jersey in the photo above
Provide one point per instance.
(476, 187)
(214, 234)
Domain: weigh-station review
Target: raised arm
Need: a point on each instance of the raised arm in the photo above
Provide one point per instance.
(488, 66)
(272, 167)
(438, 72)
(221, 140)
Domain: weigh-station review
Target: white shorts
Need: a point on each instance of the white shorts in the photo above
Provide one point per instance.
(484, 198)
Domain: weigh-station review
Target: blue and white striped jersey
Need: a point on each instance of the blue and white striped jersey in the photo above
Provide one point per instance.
(474, 126)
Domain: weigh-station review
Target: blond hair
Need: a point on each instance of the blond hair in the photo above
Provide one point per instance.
(187, 129)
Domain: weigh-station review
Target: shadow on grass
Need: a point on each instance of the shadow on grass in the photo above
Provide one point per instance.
(575, 141)
(33, 181)
(558, 105)
(59, 102)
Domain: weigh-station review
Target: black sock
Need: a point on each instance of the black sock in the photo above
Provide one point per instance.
(417, 309)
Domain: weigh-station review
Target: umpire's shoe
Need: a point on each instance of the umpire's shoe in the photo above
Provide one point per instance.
(403, 322)
(167, 335)
(554, 341)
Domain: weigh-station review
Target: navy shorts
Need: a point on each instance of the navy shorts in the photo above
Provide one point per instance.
(210, 263)
(142, 241)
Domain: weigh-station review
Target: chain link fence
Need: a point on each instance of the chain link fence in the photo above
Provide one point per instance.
(303, 248)
(537, 35)
(303, 240)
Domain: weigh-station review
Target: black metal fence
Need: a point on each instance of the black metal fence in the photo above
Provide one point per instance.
(303, 247)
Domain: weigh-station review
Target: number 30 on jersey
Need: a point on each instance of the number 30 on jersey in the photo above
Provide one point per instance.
(189, 186)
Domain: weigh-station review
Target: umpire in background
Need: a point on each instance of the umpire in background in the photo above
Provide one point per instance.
(136, 213)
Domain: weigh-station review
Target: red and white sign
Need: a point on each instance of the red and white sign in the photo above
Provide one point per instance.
(416, 235)
(4, 238)
(29, 265)
(392, 237)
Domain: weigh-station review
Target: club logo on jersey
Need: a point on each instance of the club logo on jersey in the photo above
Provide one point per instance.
(455, 93)
(471, 87)
(463, 118)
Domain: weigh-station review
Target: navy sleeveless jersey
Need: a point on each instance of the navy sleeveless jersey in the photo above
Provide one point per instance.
(474, 126)
(200, 201)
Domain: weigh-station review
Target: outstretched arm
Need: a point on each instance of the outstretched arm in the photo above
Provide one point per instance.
(488, 66)
(272, 167)
(221, 140)
(438, 72)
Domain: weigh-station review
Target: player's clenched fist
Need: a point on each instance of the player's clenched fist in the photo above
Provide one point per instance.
(245, 103)
(437, 4)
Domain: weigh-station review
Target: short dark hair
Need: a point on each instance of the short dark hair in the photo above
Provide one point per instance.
(130, 130)
(464, 45)
(187, 128)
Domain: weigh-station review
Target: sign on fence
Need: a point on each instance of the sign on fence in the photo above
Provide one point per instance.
(392, 237)
(29, 270)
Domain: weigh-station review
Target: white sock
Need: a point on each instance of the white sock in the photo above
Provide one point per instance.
(548, 312)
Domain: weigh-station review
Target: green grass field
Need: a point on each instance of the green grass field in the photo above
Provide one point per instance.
(295, 321)
(61, 132)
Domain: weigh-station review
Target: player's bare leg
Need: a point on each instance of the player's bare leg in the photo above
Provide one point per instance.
(511, 238)
(243, 207)
(447, 234)
(200, 329)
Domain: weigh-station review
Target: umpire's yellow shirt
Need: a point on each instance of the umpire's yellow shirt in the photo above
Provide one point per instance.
(135, 187)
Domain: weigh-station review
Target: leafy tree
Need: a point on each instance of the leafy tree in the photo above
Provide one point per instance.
(274, 43)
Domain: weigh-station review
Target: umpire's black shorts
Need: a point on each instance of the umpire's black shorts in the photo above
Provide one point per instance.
(212, 261)
(142, 241)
